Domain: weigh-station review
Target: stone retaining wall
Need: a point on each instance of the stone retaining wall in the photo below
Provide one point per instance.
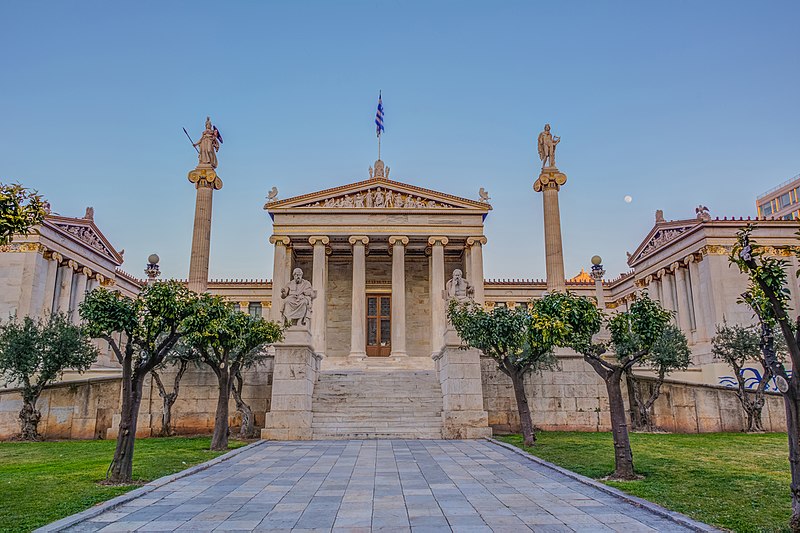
(574, 399)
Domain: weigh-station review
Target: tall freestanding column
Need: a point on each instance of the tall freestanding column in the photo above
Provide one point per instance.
(205, 178)
(398, 248)
(280, 274)
(549, 183)
(438, 304)
(358, 339)
(319, 279)
(475, 268)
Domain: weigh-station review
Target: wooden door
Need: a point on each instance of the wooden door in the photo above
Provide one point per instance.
(379, 325)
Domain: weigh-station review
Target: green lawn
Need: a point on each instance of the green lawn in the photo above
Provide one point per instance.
(731, 480)
(43, 481)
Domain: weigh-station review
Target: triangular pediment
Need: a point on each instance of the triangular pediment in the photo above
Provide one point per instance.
(661, 234)
(86, 232)
(378, 193)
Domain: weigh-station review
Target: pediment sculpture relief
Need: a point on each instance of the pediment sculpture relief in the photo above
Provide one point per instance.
(380, 197)
(87, 235)
(661, 238)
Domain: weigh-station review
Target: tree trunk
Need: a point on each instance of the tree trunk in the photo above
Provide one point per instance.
(518, 381)
(219, 441)
(166, 415)
(247, 430)
(633, 402)
(121, 469)
(623, 457)
(29, 418)
(792, 403)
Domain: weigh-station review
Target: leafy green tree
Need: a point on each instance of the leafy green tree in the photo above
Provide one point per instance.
(150, 325)
(519, 340)
(669, 353)
(34, 353)
(736, 345)
(179, 359)
(228, 343)
(769, 297)
(20, 210)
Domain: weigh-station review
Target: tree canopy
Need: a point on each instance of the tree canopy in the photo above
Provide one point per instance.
(20, 210)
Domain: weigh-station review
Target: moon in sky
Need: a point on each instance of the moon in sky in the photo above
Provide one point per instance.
(628, 198)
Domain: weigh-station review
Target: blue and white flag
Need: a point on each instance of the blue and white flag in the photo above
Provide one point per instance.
(379, 117)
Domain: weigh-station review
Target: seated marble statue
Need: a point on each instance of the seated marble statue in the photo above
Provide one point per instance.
(298, 296)
(459, 289)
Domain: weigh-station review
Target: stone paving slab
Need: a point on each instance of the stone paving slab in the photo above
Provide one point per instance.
(373, 485)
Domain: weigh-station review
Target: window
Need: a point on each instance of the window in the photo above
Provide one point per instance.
(784, 200)
(235, 307)
(254, 309)
(766, 209)
(790, 216)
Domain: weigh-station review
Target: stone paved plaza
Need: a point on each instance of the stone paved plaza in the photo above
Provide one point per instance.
(393, 485)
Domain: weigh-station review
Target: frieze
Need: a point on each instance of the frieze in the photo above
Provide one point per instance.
(21, 247)
(379, 198)
(86, 235)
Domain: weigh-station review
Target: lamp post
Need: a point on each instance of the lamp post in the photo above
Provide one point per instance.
(597, 274)
(152, 270)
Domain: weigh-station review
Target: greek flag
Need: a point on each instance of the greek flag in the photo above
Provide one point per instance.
(379, 117)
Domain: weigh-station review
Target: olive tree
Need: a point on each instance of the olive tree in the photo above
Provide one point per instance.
(141, 332)
(769, 297)
(179, 360)
(669, 353)
(518, 339)
(20, 210)
(36, 352)
(228, 343)
(736, 345)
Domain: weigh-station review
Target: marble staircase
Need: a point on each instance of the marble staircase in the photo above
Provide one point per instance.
(377, 404)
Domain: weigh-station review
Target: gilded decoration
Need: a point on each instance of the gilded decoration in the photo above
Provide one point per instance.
(21, 247)
(205, 177)
(379, 197)
(712, 249)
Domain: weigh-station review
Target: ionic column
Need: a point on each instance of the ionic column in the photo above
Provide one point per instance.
(549, 183)
(438, 304)
(206, 181)
(398, 249)
(475, 246)
(683, 300)
(358, 339)
(66, 286)
(667, 300)
(80, 291)
(50, 283)
(319, 280)
(700, 326)
(280, 275)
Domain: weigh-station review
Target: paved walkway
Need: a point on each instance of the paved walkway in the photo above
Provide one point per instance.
(399, 485)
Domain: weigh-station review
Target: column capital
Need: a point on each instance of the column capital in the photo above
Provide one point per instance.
(265, 305)
(661, 273)
(438, 239)
(243, 306)
(398, 239)
(57, 257)
(100, 278)
(363, 239)
(87, 271)
(674, 266)
(319, 239)
(279, 239)
(691, 258)
(471, 241)
(72, 264)
(205, 178)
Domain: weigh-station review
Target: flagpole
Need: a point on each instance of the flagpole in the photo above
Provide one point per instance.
(379, 146)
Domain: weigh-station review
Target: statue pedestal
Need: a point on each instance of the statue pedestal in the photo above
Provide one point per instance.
(459, 371)
(295, 372)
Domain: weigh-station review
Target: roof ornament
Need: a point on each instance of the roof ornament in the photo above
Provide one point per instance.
(89, 213)
(272, 195)
(659, 216)
(484, 196)
(702, 213)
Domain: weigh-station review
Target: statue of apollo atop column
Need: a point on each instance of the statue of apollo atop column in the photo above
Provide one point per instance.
(208, 145)
(547, 147)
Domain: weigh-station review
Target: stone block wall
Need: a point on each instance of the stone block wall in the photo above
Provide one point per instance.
(73, 410)
(574, 399)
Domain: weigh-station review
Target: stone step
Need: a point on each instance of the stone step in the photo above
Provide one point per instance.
(411, 435)
(356, 419)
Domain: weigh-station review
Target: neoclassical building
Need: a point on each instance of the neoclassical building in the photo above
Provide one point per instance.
(378, 252)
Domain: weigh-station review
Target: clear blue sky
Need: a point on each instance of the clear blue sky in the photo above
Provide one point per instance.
(674, 103)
